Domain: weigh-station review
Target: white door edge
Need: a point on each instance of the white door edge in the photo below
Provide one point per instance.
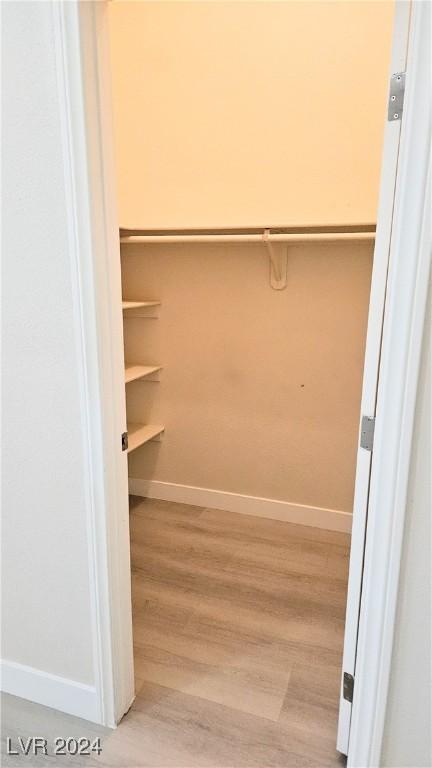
(409, 274)
(83, 84)
(371, 368)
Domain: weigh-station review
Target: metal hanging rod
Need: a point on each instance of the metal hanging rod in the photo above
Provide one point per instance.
(269, 237)
(246, 236)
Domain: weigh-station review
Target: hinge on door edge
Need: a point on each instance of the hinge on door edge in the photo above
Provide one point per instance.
(396, 96)
(125, 442)
(367, 432)
(348, 687)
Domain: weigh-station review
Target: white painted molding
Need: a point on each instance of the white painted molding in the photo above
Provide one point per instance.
(92, 243)
(410, 263)
(389, 165)
(112, 541)
(318, 517)
(68, 696)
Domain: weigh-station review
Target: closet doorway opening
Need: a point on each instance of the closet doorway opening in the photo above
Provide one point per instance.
(250, 229)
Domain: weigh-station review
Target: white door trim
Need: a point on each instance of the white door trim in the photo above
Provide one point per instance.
(377, 300)
(410, 258)
(83, 76)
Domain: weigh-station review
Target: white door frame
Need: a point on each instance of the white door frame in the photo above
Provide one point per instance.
(389, 167)
(409, 274)
(82, 64)
(82, 44)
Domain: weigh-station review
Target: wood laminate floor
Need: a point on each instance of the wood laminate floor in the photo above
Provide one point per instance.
(238, 631)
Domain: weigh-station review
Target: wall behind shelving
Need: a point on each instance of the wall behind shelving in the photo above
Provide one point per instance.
(260, 392)
(235, 114)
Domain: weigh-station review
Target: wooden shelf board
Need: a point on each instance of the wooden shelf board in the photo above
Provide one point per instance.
(138, 304)
(138, 434)
(134, 372)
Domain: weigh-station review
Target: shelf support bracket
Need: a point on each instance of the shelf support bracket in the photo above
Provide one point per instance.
(278, 263)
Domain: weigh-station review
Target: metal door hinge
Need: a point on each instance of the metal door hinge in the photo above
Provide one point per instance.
(396, 97)
(348, 687)
(367, 432)
(125, 441)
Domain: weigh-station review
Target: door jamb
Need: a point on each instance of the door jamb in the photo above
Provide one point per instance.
(85, 113)
(389, 167)
(409, 271)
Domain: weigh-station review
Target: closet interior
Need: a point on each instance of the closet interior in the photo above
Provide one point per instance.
(248, 142)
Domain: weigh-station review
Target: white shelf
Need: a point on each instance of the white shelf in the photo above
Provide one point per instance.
(138, 304)
(134, 372)
(138, 434)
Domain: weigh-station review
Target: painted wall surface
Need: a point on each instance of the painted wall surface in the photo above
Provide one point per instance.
(260, 392)
(233, 113)
(407, 739)
(46, 615)
(249, 113)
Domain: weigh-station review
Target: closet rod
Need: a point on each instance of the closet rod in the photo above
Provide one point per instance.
(266, 236)
(278, 257)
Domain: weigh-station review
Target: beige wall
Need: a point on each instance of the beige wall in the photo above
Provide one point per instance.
(46, 593)
(260, 390)
(241, 113)
(235, 114)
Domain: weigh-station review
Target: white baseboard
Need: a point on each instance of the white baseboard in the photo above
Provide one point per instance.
(50, 690)
(318, 517)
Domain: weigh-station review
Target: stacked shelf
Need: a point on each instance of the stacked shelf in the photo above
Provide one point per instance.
(139, 434)
(139, 304)
(134, 372)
